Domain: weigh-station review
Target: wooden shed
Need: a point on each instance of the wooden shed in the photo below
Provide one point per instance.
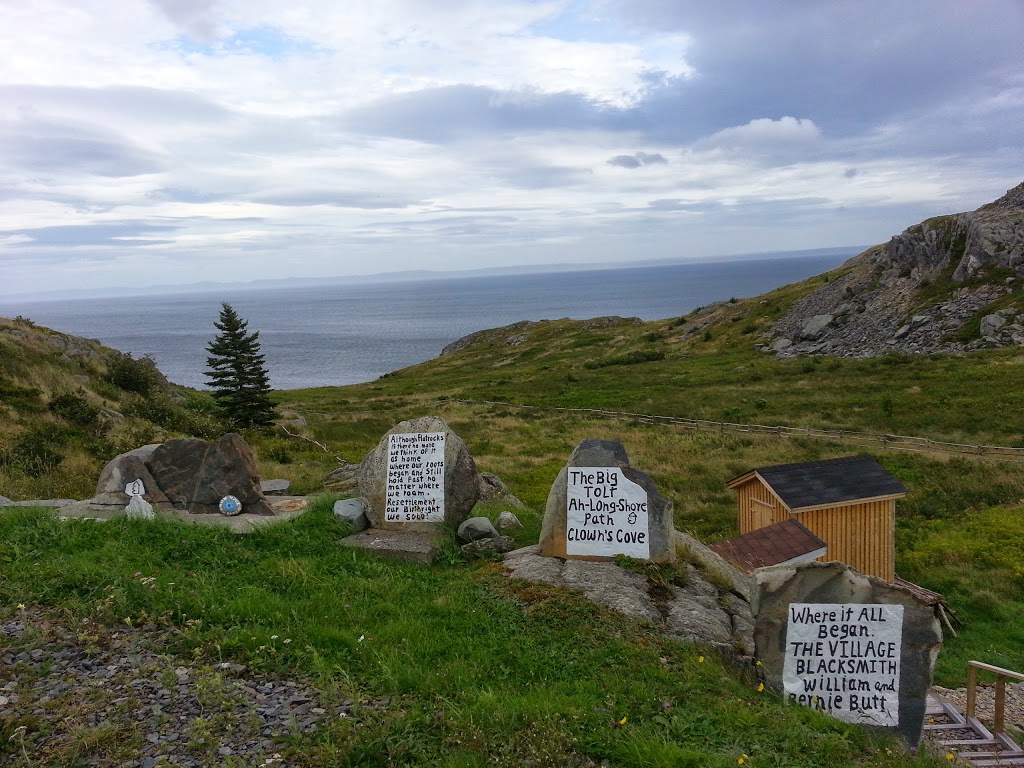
(849, 503)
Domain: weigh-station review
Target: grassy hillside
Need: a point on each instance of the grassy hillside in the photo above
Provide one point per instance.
(529, 675)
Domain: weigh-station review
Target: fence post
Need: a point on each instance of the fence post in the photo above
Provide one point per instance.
(972, 693)
(997, 718)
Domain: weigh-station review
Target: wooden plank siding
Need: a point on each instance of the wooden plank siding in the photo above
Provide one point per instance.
(755, 493)
(860, 534)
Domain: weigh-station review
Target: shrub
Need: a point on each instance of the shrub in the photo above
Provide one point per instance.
(627, 358)
(74, 408)
(34, 452)
(130, 375)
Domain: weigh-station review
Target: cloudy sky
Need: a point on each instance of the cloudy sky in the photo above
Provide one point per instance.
(171, 141)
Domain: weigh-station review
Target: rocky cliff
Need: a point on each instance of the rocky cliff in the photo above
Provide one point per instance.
(949, 284)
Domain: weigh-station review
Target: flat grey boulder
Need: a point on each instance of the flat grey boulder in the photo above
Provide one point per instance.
(275, 487)
(353, 513)
(814, 327)
(124, 469)
(460, 484)
(5, 502)
(474, 529)
(613, 528)
(990, 324)
(490, 546)
(195, 475)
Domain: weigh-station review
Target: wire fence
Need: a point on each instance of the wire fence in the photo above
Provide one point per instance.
(882, 440)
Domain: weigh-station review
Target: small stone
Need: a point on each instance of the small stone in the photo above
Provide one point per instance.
(476, 528)
(507, 521)
(225, 751)
(353, 513)
(495, 545)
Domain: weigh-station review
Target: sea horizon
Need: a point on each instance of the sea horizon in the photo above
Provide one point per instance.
(337, 334)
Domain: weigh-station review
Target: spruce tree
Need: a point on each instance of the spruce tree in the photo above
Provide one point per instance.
(237, 373)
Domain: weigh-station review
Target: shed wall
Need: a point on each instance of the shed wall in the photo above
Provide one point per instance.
(861, 535)
(754, 515)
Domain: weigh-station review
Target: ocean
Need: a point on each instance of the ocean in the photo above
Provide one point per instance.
(344, 334)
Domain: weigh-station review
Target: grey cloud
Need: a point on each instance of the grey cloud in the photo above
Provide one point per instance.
(91, 234)
(446, 114)
(127, 102)
(339, 199)
(675, 204)
(844, 65)
(637, 159)
(191, 15)
(49, 146)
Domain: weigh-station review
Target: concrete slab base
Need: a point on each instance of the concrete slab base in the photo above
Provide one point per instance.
(410, 546)
(285, 508)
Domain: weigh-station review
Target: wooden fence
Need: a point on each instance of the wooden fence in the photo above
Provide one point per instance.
(885, 441)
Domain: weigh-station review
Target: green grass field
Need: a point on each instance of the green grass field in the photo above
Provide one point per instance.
(525, 674)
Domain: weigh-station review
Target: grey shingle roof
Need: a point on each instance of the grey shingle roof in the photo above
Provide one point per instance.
(833, 481)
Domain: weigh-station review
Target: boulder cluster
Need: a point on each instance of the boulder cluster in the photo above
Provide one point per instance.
(946, 285)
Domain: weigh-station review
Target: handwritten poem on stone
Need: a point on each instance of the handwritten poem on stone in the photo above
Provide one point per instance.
(415, 492)
(845, 659)
(606, 514)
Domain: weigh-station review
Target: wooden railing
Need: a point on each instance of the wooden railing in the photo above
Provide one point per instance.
(1000, 698)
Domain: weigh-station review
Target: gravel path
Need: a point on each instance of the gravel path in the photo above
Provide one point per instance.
(1013, 713)
(73, 692)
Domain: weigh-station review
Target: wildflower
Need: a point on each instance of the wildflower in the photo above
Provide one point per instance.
(623, 720)
(361, 638)
(21, 606)
(128, 620)
(760, 687)
(950, 756)
(273, 637)
(742, 759)
(287, 640)
(700, 659)
(758, 663)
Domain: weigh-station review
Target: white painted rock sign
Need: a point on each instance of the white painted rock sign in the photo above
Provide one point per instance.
(606, 514)
(415, 487)
(845, 659)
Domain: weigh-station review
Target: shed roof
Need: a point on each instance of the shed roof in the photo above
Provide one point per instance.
(825, 483)
(775, 544)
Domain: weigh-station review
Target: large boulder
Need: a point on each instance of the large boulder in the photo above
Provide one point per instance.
(612, 512)
(852, 645)
(195, 475)
(122, 471)
(404, 485)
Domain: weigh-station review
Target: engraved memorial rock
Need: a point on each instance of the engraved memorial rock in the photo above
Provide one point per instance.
(195, 475)
(599, 506)
(419, 476)
(852, 645)
(124, 470)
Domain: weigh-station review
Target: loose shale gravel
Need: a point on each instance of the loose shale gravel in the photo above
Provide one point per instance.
(76, 693)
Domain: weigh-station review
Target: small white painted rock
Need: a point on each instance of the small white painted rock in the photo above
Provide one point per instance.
(139, 508)
(506, 521)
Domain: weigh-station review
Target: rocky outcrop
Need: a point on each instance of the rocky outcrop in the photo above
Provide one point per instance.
(937, 287)
(709, 609)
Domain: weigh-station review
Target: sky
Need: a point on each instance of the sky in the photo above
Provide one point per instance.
(147, 142)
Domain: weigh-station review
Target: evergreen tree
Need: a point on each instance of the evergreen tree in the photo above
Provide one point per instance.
(237, 373)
